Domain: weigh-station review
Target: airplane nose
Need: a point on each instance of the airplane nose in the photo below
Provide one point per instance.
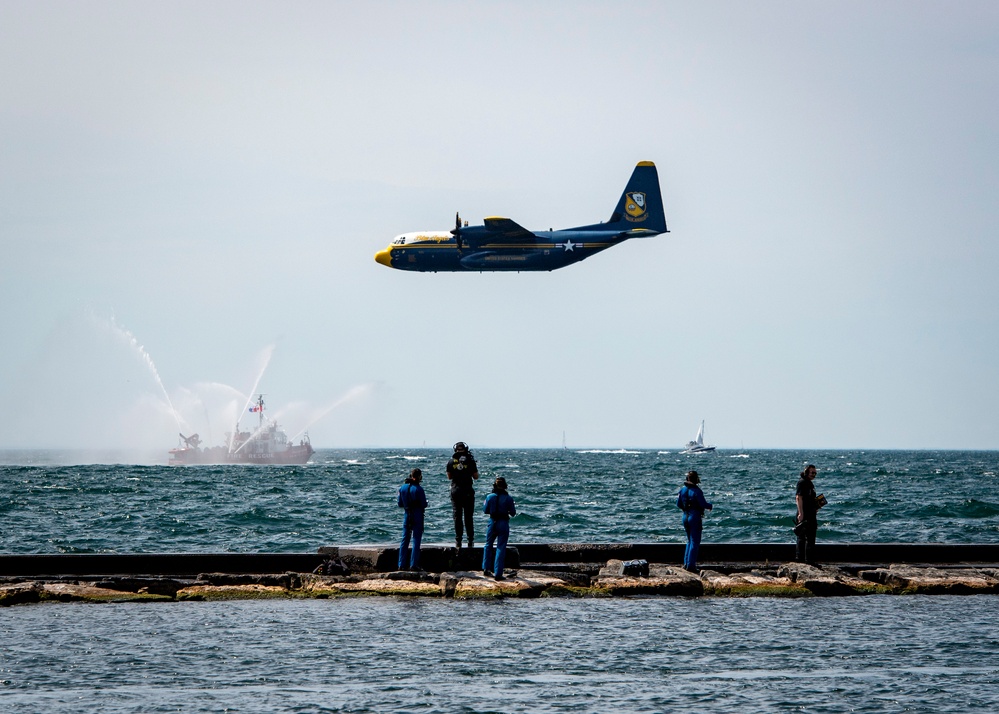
(384, 257)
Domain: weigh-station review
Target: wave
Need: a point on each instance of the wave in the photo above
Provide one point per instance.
(602, 495)
(609, 451)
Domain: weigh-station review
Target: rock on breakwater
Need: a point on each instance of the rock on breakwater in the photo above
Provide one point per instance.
(570, 570)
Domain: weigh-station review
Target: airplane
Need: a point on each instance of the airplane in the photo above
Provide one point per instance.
(502, 244)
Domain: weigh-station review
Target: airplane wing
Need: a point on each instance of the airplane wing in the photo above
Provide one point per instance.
(508, 230)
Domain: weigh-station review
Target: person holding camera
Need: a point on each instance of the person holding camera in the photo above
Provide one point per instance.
(462, 472)
(807, 521)
(691, 501)
(414, 500)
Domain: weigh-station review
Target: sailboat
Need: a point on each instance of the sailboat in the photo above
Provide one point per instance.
(697, 445)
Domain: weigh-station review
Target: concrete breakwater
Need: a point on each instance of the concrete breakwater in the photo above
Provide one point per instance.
(539, 570)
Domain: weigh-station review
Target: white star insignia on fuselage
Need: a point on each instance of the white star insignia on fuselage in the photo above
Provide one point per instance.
(569, 245)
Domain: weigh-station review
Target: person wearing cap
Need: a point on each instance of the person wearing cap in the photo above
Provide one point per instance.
(414, 500)
(691, 501)
(462, 472)
(500, 507)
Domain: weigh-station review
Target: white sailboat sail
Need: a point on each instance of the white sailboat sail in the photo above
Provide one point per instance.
(697, 445)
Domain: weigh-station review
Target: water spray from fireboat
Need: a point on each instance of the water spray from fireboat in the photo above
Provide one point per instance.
(217, 398)
(352, 393)
(146, 359)
(266, 360)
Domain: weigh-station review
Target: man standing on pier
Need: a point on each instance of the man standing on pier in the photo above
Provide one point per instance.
(807, 520)
(414, 500)
(462, 472)
(691, 501)
(500, 507)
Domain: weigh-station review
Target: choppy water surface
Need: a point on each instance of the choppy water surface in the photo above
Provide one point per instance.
(861, 654)
(870, 654)
(348, 497)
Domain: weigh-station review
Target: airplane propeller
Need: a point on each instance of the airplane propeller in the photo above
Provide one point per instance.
(457, 230)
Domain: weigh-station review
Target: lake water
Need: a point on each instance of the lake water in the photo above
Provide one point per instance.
(348, 497)
(869, 654)
(860, 654)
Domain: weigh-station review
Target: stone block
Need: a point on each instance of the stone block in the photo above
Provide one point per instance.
(662, 580)
(19, 594)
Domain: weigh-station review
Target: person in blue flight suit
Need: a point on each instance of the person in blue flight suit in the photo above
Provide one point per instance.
(691, 501)
(500, 507)
(414, 500)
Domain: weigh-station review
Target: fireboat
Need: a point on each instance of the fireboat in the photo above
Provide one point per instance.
(267, 445)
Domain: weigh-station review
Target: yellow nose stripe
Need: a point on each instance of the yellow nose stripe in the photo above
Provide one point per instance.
(384, 257)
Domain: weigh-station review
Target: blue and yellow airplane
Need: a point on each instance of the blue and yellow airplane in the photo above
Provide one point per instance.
(501, 244)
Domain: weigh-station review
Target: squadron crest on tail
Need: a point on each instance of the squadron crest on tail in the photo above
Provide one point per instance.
(635, 206)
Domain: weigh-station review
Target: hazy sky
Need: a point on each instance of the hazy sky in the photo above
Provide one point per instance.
(192, 193)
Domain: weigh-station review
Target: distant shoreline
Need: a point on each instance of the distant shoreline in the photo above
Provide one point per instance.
(158, 457)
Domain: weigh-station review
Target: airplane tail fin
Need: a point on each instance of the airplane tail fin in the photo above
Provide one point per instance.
(641, 204)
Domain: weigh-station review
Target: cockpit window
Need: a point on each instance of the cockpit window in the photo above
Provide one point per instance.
(423, 237)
